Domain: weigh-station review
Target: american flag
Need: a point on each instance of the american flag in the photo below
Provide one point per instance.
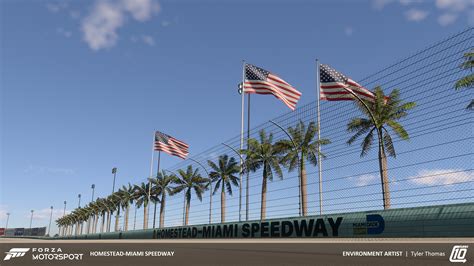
(333, 84)
(170, 145)
(261, 81)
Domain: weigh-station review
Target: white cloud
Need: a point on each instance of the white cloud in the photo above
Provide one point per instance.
(365, 180)
(52, 8)
(416, 15)
(101, 25)
(447, 11)
(453, 5)
(48, 170)
(141, 10)
(74, 14)
(56, 7)
(64, 32)
(410, 2)
(380, 4)
(441, 176)
(447, 19)
(148, 40)
(348, 31)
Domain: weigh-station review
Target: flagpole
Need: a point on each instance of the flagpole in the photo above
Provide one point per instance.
(151, 174)
(152, 154)
(320, 174)
(248, 173)
(242, 142)
(157, 172)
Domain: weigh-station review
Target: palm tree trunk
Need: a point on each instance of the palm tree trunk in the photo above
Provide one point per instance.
(117, 220)
(125, 222)
(109, 214)
(154, 215)
(162, 209)
(383, 173)
(96, 223)
(223, 204)
(263, 207)
(188, 203)
(135, 218)
(103, 223)
(303, 186)
(145, 216)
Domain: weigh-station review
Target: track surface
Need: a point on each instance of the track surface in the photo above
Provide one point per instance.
(253, 241)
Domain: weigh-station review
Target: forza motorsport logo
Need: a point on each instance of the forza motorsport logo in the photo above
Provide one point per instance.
(43, 254)
(15, 253)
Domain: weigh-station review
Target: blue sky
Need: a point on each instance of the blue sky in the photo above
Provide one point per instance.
(85, 83)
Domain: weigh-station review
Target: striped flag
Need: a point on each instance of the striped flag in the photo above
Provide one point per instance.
(334, 86)
(261, 81)
(170, 145)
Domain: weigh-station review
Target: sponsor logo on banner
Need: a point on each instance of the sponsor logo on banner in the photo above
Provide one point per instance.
(374, 225)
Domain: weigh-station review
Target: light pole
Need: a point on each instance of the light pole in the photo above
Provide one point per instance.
(240, 186)
(50, 218)
(114, 171)
(93, 188)
(302, 203)
(210, 187)
(79, 196)
(64, 214)
(31, 219)
(6, 226)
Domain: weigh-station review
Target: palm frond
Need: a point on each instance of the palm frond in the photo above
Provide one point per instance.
(367, 143)
(388, 144)
(398, 129)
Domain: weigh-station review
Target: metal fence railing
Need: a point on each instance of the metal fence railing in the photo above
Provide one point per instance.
(433, 167)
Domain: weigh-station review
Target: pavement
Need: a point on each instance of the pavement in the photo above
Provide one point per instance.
(255, 240)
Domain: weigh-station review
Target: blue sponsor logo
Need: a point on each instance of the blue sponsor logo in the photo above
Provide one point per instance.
(374, 225)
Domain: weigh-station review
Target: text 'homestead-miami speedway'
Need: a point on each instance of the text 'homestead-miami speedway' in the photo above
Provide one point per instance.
(286, 228)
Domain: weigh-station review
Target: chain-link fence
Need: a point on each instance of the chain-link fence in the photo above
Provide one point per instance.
(435, 166)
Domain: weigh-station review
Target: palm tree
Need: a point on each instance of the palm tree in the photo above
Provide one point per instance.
(188, 181)
(142, 194)
(126, 198)
(467, 82)
(383, 115)
(162, 184)
(155, 199)
(301, 148)
(102, 204)
(96, 211)
(264, 155)
(224, 174)
(111, 201)
(116, 202)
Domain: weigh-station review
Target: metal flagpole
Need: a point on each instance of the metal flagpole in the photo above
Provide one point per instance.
(318, 88)
(242, 142)
(248, 173)
(152, 154)
(151, 175)
(157, 172)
